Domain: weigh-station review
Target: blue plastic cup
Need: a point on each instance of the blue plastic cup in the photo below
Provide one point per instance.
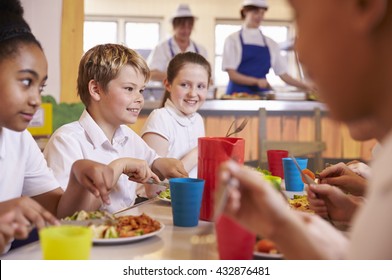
(186, 195)
(292, 176)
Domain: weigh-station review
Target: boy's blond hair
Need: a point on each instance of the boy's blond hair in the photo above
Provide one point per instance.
(102, 64)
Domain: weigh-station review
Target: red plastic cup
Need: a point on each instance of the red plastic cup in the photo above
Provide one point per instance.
(275, 164)
(212, 151)
(234, 241)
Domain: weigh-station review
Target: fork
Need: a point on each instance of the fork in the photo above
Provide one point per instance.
(161, 183)
(204, 242)
(237, 129)
(310, 181)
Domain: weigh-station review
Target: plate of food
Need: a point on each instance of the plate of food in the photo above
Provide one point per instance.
(266, 249)
(165, 195)
(108, 229)
(240, 95)
(298, 201)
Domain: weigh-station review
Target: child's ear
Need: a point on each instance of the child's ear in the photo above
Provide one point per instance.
(167, 85)
(94, 90)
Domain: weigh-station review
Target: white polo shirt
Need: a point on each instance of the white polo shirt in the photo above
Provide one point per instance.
(372, 228)
(161, 55)
(181, 131)
(232, 51)
(84, 139)
(23, 169)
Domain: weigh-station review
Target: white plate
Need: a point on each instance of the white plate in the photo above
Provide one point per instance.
(120, 240)
(291, 194)
(267, 256)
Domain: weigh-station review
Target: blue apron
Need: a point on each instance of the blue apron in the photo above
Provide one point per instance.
(172, 51)
(255, 62)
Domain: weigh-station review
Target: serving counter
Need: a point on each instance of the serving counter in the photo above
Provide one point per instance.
(285, 121)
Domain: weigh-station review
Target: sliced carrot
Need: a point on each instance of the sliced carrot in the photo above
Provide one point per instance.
(265, 246)
(309, 173)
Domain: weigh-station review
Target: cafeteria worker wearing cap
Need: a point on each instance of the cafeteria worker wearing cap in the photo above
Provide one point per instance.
(248, 54)
(182, 22)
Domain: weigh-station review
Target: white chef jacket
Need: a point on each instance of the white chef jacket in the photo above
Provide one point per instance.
(161, 55)
(232, 51)
(84, 139)
(182, 132)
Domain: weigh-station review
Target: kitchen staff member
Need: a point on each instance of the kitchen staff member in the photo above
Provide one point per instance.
(248, 54)
(182, 21)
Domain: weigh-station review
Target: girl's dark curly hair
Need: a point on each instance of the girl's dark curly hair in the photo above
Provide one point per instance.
(14, 30)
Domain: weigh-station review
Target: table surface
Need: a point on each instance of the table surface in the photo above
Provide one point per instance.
(171, 243)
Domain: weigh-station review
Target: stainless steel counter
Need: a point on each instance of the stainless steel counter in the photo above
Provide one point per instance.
(249, 107)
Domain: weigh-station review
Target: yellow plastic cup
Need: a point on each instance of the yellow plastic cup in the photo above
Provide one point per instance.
(66, 242)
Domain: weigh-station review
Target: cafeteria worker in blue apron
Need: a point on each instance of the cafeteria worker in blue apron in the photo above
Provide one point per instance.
(248, 54)
(182, 22)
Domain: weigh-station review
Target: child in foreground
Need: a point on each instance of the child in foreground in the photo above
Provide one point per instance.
(354, 80)
(29, 193)
(111, 81)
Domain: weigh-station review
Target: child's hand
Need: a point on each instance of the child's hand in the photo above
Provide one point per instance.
(326, 200)
(27, 213)
(341, 176)
(95, 177)
(8, 229)
(169, 168)
(136, 169)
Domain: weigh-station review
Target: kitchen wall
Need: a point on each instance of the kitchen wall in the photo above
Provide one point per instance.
(44, 17)
(207, 12)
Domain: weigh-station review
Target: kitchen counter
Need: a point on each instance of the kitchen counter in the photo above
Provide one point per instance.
(251, 107)
(286, 121)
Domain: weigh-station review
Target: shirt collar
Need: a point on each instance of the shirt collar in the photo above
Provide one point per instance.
(182, 119)
(96, 134)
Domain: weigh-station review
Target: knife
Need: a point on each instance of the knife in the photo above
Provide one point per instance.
(137, 205)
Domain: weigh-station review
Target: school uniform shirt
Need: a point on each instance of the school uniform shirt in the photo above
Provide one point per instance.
(84, 139)
(23, 169)
(182, 132)
(372, 228)
(161, 55)
(251, 53)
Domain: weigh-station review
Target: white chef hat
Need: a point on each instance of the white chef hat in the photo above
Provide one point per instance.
(256, 3)
(183, 10)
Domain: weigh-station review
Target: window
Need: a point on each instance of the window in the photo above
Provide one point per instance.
(135, 36)
(280, 32)
(99, 32)
(129, 31)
